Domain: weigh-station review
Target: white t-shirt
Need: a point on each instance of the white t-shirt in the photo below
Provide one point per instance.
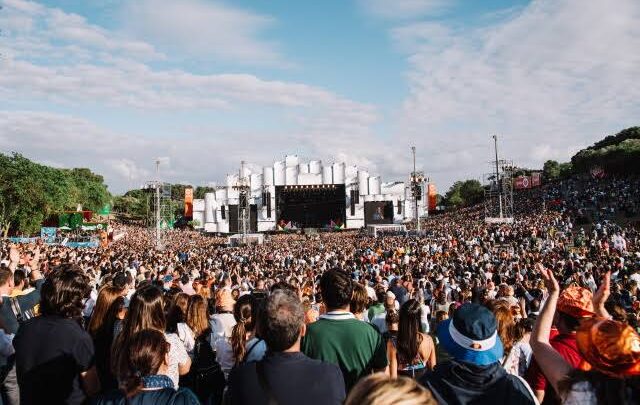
(177, 355)
(221, 327)
(186, 337)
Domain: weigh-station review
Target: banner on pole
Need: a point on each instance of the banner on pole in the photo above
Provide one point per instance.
(188, 202)
(432, 196)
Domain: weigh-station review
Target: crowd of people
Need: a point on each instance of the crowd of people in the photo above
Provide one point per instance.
(539, 311)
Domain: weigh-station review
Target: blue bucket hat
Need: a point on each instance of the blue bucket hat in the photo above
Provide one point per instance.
(472, 336)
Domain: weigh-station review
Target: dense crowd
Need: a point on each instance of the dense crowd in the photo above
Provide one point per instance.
(544, 310)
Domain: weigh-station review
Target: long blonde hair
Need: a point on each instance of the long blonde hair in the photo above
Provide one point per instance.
(197, 318)
(380, 389)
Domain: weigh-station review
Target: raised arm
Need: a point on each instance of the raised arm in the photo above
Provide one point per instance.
(601, 296)
(552, 364)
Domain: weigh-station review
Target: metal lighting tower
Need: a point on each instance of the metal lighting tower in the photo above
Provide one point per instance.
(161, 204)
(498, 185)
(495, 148)
(417, 178)
(244, 188)
(157, 207)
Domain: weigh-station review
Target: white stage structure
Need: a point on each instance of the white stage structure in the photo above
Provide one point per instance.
(217, 211)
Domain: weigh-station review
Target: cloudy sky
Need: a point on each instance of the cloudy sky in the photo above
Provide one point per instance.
(112, 84)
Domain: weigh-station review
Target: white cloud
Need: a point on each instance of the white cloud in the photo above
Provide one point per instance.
(403, 9)
(60, 57)
(127, 159)
(550, 78)
(204, 30)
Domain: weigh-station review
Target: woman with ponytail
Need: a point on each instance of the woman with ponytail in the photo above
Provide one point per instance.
(142, 373)
(243, 342)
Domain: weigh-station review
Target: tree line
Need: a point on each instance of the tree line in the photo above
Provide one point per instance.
(31, 192)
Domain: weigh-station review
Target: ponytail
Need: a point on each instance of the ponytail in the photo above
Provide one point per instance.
(244, 322)
(238, 340)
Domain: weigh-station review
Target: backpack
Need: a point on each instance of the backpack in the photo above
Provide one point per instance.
(206, 378)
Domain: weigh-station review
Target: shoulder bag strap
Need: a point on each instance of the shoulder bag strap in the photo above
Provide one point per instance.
(251, 349)
(264, 384)
(15, 307)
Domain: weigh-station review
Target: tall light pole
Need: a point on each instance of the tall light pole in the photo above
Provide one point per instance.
(414, 188)
(498, 181)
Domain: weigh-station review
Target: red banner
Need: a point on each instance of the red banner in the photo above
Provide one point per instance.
(522, 182)
(536, 179)
(188, 202)
(432, 196)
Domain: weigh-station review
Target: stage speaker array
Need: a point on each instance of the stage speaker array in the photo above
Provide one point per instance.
(353, 201)
(266, 200)
(223, 212)
(399, 207)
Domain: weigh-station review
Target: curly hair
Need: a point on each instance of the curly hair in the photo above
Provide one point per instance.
(64, 292)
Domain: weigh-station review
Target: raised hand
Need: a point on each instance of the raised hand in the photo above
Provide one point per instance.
(550, 281)
(14, 254)
(602, 295)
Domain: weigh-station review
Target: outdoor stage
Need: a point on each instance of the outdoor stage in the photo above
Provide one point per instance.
(292, 194)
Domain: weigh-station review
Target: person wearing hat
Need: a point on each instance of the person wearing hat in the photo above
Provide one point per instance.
(574, 304)
(610, 370)
(474, 375)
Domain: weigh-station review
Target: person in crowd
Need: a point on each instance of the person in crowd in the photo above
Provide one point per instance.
(337, 337)
(359, 301)
(143, 369)
(474, 374)
(379, 320)
(177, 321)
(106, 296)
(101, 328)
(425, 312)
(146, 312)
(412, 352)
(205, 378)
(232, 351)
(197, 319)
(575, 303)
(514, 353)
(392, 320)
(379, 389)
(610, 370)
(223, 321)
(310, 313)
(54, 355)
(285, 375)
(105, 337)
(378, 307)
(14, 310)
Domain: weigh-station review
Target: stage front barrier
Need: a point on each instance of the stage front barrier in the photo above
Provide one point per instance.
(498, 220)
(381, 229)
(250, 239)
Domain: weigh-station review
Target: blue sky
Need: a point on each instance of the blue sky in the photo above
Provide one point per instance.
(112, 84)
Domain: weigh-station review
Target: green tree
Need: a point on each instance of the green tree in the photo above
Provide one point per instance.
(200, 191)
(464, 193)
(31, 192)
(551, 170)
